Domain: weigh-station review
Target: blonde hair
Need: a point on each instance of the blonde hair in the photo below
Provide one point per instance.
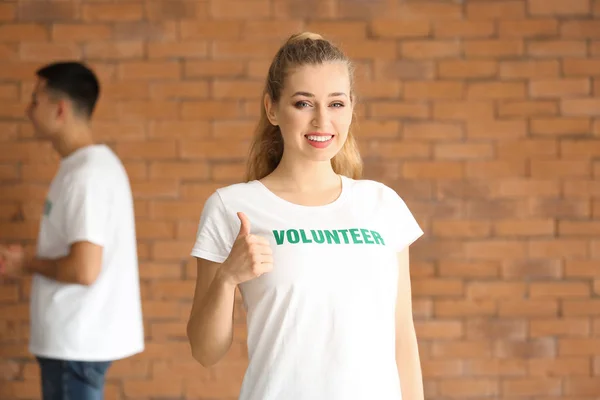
(266, 149)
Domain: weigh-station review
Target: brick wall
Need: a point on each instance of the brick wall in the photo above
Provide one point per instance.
(483, 114)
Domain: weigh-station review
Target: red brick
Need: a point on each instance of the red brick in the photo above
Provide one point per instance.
(222, 29)
(208, 68)
(34, 11)
(332, 30)
(467, 69)
(580, 29)
(464, 29)
(370, 49)
(532, 269)
(235, 89)
(524, 108)
(564, 366)
(114, 50)
(439, 329)
(238, 9)
(495, 169)
(460, 228)
(24, 32)
(528, 308)
(560, 290)
(581, 67)
(8, 12)
(198, 110)
(157, 10)
(434, 90)
(374, 89)
(405, 150)
(494, 249)
(80, 32)
(113, 12)
(144, 110)
(560, 126)
(496, 328)
(165, 70)
(469, 269)
(581, 386)
(463, 151)
(580, 107)
(441, 368)
(567, 248)
(265, 29)
(470, 387)
(386, 28)
(496, 367)
(499, 48)
(558, 7)
(393, 109)
(534, 28)
(228, 173)
(506, 129)
(213, 149)
(179, 90)
(402, 69)
(495, 290)
(529, 69)
(556, 48)
(463, 111)
(502, 9)
(496, 90)
(525, 227)
(432, 131)
(187, 50)
(532, 387)
(147, 150)
(569, 327)
(428, 49)
(580, 148)
(559, 88)
(244, 49)
(178, 170)
(429, 170)
(544, 169)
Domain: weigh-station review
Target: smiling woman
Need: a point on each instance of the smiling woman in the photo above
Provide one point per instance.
(309, 81)
(319, 255)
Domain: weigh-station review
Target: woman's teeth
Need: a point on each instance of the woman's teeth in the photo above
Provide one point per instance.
(319, 138)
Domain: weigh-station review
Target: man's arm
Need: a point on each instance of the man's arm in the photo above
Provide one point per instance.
(81, 266)
(407, 350)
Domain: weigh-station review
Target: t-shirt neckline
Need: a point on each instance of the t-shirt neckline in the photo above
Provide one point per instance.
(299, 207)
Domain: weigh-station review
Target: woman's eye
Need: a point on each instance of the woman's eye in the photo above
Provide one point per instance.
(338, 104)
(301, 104)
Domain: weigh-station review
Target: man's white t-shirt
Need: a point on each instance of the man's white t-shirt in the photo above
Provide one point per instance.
(89, 200)
(321, 325)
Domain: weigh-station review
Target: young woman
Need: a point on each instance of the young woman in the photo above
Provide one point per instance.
(320, 257)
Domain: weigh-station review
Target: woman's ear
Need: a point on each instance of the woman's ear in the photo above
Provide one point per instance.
(270, 110)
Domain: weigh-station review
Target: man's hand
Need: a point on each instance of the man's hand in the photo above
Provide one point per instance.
(12, 260)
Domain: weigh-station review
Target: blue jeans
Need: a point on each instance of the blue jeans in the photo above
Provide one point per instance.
(72, 380)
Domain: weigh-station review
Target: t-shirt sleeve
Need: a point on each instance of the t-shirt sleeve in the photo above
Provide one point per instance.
(404, 226)
(214, 237)
(87, 203)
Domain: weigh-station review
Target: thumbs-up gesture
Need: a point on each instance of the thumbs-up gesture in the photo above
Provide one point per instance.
(250, 256)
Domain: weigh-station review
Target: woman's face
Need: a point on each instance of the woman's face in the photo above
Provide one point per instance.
(314, 111)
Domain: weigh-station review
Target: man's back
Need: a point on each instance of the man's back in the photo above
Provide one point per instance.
(89, 200)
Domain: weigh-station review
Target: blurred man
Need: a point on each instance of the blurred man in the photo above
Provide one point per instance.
(85, 299)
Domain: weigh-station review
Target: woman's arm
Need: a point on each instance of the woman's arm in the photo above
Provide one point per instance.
(407, 351)
(210, 327)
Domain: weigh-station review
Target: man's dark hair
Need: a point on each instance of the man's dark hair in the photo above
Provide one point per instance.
(75, 81)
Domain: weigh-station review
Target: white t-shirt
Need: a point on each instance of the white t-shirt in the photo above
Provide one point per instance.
(321, 325)
(89, 200)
